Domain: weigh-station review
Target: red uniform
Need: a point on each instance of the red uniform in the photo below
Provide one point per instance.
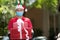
(23, 32)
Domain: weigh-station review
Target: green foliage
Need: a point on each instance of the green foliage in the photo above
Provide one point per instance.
(38, 4)
(51, 5)
(8, 6)
(4, 2)
(48, 3)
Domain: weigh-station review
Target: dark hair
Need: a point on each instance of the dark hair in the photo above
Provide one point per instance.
(24, 13)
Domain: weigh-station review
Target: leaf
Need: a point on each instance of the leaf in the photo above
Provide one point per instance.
(38, 6)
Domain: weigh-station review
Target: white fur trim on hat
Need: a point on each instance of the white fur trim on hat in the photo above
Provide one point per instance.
(19, 6)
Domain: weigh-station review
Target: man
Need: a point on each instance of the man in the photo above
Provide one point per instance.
(20, 27)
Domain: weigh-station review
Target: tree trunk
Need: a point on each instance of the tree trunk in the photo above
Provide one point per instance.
(45, 22)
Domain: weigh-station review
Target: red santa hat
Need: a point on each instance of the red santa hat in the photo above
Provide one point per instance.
(21, 7)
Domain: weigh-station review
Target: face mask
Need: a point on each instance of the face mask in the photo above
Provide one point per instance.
(19, 13)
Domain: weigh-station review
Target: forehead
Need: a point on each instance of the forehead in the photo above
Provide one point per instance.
(19, 9)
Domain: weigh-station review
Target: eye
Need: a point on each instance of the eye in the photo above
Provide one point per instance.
(19, 10)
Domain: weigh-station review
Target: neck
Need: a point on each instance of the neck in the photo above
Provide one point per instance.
(20, 17)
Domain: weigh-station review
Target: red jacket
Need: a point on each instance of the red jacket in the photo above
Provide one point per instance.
(26, 30)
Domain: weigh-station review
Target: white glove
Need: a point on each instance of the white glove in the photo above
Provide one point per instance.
(8, 32)
(32, 31)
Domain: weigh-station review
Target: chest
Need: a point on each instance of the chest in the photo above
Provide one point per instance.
(25, 24)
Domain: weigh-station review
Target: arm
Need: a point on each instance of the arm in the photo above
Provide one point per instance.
(10, 25)
(30, 26)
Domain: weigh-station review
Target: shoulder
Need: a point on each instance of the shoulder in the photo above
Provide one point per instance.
(12, 18)
(27, 19)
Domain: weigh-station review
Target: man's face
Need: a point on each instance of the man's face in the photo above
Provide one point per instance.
(19, 12)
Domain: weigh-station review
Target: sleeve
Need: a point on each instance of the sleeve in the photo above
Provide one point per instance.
(29, 24)
(10, 24)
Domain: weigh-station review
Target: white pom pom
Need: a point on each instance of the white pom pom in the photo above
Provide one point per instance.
(26, 10)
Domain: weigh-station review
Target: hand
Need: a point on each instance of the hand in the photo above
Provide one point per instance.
(8, 32)
(32, 31)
